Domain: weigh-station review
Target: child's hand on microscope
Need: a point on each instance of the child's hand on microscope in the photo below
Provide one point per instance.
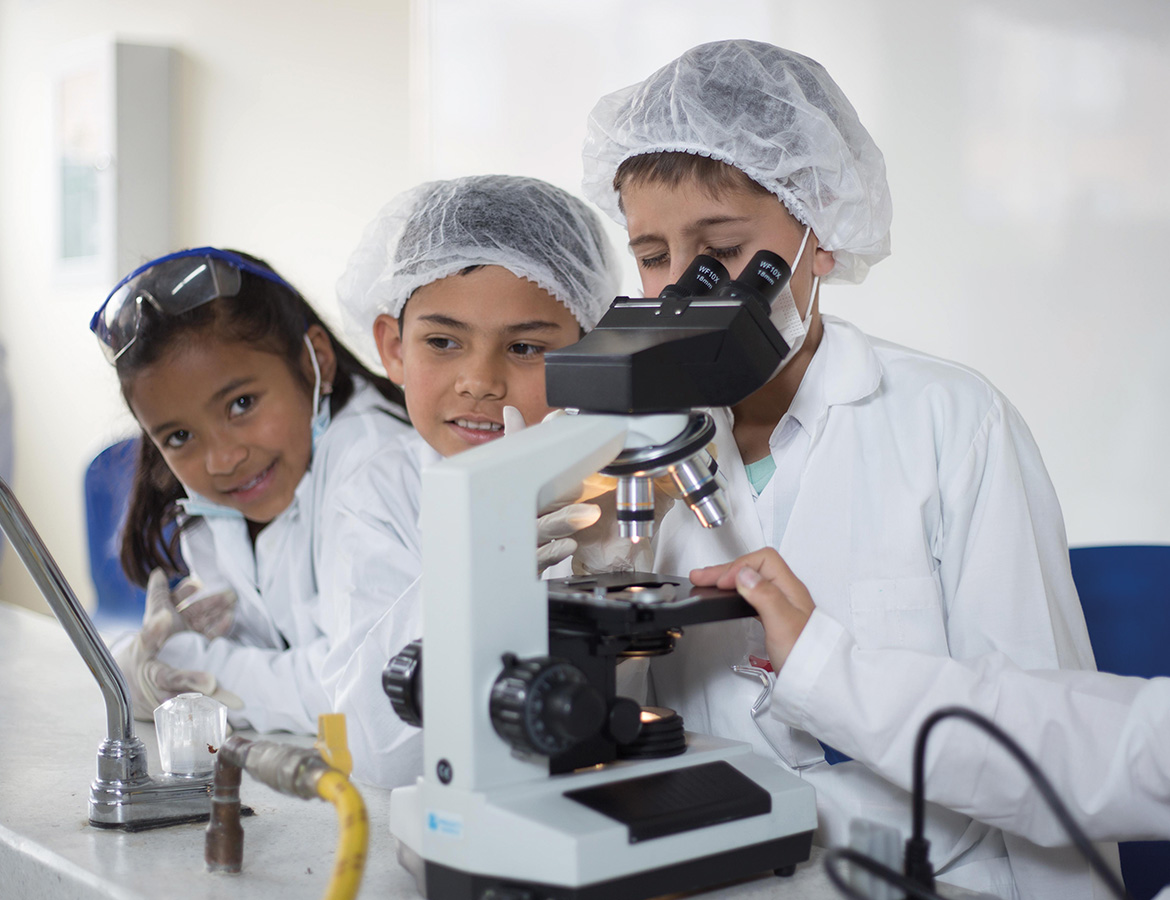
(780, 599)
(558, 523)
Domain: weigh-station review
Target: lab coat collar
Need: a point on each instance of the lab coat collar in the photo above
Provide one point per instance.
(365, 398)
(843, 370)
(851, 370)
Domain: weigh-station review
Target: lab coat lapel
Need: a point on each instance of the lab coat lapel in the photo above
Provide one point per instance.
(824, 512)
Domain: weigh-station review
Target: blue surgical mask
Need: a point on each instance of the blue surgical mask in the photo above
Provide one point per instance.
(195, 505)
(322, 408)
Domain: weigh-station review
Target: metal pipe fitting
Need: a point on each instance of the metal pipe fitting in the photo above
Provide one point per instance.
(291, 770)
(223, 849)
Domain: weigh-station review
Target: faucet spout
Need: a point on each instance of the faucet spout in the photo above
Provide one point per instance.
(70, 613)
(123, 795)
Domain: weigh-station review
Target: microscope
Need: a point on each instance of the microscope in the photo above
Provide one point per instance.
(539, 782)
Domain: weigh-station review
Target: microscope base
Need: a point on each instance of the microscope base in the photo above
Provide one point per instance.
(624, 831)
(443, 883)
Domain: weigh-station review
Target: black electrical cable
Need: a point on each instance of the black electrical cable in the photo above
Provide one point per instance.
(885, 873)
(1074, 831)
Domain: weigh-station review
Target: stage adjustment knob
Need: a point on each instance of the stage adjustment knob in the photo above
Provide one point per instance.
(402, 682)
(544, 705)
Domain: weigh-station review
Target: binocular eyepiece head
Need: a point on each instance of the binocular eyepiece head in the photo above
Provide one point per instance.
(761, 281)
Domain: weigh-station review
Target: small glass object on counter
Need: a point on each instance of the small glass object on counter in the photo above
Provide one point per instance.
(191, 728)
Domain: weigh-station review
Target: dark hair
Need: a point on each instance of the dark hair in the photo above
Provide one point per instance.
(264, 314)
(671, 167)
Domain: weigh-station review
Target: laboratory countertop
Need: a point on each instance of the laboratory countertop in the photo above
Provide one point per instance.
(51, 721)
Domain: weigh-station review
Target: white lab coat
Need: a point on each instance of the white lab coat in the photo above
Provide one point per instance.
(287, 631)
(379, 602)
(924, 520)
(1101, 739)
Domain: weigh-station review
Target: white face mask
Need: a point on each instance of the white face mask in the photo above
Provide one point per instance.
(786, 317)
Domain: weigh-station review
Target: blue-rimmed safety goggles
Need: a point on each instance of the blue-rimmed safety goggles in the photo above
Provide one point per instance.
(172, 284)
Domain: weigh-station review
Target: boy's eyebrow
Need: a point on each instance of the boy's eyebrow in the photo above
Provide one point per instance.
(534, 325)
(456, 325)
(444, 321)
(697, 225)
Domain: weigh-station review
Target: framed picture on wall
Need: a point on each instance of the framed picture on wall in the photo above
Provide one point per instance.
(112, 118)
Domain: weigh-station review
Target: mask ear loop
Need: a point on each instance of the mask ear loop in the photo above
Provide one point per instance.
(812, 298)
(316, 377)
(800, 252)
(816, 278)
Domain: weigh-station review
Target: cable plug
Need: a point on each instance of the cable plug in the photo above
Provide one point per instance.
(917, 866)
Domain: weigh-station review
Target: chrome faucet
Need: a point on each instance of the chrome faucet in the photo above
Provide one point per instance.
(123, 795)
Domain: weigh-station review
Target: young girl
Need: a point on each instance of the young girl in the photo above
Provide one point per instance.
(253, 415)
(904, 490)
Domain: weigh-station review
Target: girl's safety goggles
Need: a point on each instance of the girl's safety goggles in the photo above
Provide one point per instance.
(172, 284)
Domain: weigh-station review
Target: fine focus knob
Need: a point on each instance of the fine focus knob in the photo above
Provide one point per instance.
(402, 682)
(544, 705)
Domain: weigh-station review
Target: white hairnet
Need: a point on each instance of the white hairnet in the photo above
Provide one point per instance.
(771, 113)
(529, 227)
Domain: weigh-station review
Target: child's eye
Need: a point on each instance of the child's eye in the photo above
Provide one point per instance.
(528, 351)
(724, 252)
(242, 404)
(441, 343)
(177, 439)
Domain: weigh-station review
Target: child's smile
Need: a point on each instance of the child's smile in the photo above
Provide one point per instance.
(476, 429)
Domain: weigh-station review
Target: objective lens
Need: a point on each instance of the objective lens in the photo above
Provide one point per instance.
(698, 481)
(702, 276)
(635, 507)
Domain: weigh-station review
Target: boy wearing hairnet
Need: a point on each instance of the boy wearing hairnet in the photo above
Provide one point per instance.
(904, 490)
(460, 286)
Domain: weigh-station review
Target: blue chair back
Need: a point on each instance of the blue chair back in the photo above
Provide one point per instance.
(108, 481)
(1125, 593)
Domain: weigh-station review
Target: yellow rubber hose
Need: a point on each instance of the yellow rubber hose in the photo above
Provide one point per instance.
(353, 838)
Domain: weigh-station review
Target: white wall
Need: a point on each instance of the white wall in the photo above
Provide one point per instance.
(1028, 150)
(292, 135)
(1026, 140)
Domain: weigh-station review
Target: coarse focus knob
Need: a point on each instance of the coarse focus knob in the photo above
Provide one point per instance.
(402, 682)
(544, 705)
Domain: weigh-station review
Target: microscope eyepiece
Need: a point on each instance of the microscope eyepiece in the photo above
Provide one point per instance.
(761, 280)
(703, 275)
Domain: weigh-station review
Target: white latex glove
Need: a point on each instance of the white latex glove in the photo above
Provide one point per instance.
(600, 548)
(560, 520)
(209, 612)
(588, 531)
(151, 681)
